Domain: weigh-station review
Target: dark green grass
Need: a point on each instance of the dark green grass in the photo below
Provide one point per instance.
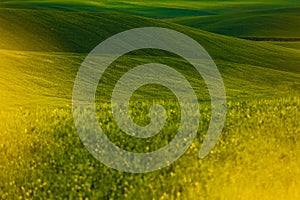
(271, 23)
(154, 9)
(127, 8)
(248, 68)
(81, 32)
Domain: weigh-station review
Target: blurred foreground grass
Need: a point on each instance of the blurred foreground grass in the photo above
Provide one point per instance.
(257, 157)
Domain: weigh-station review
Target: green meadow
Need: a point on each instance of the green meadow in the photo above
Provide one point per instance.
(261, 23)
(42, 46)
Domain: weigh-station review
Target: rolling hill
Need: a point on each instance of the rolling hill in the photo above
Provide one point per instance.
(42, 50)
(266, 23)
(42, 45)
(152, 9)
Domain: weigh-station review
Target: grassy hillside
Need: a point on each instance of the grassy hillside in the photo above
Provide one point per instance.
(292, 45)
(248, 68)
(30, 79)
(149, 8)
(269, 23)
(41, 155)
(49, 31)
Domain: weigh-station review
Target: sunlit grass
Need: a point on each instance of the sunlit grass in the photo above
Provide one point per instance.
(256, 157)
(41, 155)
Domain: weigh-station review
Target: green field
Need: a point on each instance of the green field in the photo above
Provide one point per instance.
(42, 45)
(292, 45)
(256, 157)
(265, 23)
(153, 9)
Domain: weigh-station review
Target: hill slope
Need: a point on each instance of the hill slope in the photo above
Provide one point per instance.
(59, 41)
(80, 32)
(41, 155)
(271, 23)
(150, 8)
